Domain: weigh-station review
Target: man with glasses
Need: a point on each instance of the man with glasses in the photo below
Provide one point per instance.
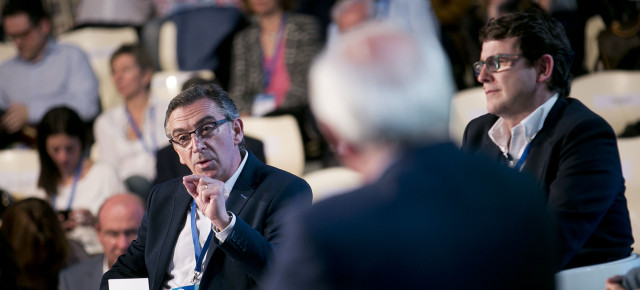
(216, 228)
(43, 75)
(118, 220)
(533, 127)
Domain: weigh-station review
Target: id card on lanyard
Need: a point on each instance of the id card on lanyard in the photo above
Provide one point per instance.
(199, 252)
(76, 177)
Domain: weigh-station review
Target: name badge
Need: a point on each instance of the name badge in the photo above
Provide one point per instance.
(263, 104)
(190, 287)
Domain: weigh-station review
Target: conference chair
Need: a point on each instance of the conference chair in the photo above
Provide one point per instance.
(192, 38)
(99, 43)
(282, 141)
(614, 95)
(7, 51)
(630, 158)
(594, 277)
(167, 84)
(19, 170)
(466, 105)
(332, 181)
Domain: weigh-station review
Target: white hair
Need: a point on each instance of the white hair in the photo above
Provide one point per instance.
(380, 85)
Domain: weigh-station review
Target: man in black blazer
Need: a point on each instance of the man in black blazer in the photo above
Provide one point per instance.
(216, 228)
(429, 217)
(535, 128)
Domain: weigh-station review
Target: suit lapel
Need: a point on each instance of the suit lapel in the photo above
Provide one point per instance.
(240, 194)
(541, 148)
(177, 209)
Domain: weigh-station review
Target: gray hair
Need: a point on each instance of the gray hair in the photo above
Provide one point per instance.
(212, 92)
(380, 85)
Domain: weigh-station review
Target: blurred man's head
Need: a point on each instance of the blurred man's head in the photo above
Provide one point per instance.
(28, 25)
(379, 88)
(118, 221)
(348, 14)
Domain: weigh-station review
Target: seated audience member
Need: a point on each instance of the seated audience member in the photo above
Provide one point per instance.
(75, 186)
(273, 74)
(118, 221)
(39, 244)
(413, 225)
(129, 135)
(228, 211)
(44, 74)
(533, 127)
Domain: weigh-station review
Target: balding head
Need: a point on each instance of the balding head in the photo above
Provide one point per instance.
(118, 221)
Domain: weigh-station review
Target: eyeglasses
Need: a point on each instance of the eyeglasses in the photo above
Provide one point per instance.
(21, 35)
(493, 62)
(204, 132)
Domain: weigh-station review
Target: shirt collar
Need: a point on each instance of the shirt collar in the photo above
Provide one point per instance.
(528, 127)
(228, 185)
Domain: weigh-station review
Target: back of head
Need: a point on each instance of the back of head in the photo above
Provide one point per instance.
(34, 232)
(378, 85)
(537, 34)
(33, 8)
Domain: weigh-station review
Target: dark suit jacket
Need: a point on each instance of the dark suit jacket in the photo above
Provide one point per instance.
(575, 159)
(436, 219)
(83, 275)
(258, 197)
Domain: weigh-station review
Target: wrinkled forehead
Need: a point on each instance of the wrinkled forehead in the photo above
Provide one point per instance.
(188, 117)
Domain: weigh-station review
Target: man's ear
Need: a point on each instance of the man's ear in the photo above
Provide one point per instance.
(45, 25)
(237, 128)
(544, 68)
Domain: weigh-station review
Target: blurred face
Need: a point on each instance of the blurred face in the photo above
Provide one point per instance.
(118, 226)
(29, 39)
(218, 155)
(510, 91)
(262, 7)
(129, 79)
(65, 151)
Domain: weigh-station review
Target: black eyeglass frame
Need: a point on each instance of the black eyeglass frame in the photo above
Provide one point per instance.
(198, 132)
(477, 66)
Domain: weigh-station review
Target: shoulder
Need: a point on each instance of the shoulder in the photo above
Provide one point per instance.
(107, 117)
(571, 115)
(82, 267)
(302, 19)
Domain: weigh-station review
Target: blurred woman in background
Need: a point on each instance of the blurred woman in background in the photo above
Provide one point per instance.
(75, 186)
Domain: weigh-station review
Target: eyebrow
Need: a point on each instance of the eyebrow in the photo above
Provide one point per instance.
(206, 119)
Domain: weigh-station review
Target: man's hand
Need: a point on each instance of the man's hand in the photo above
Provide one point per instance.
(614, 283)
(15, 118)
(209, 196)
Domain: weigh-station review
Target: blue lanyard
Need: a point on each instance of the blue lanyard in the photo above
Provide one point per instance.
(76, 177)
(199, 252)
(138, 132)
(524, 156)
(270, 66)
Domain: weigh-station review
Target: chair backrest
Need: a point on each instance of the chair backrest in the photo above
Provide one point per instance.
(614, 95)
(19, 169)
(190, 38)
(465, 106)
(630, 159)
(7, 51)
(99, 43)
(282, 141)
(594, 277)
(592, 28)
(332, 181)
(168, 84)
